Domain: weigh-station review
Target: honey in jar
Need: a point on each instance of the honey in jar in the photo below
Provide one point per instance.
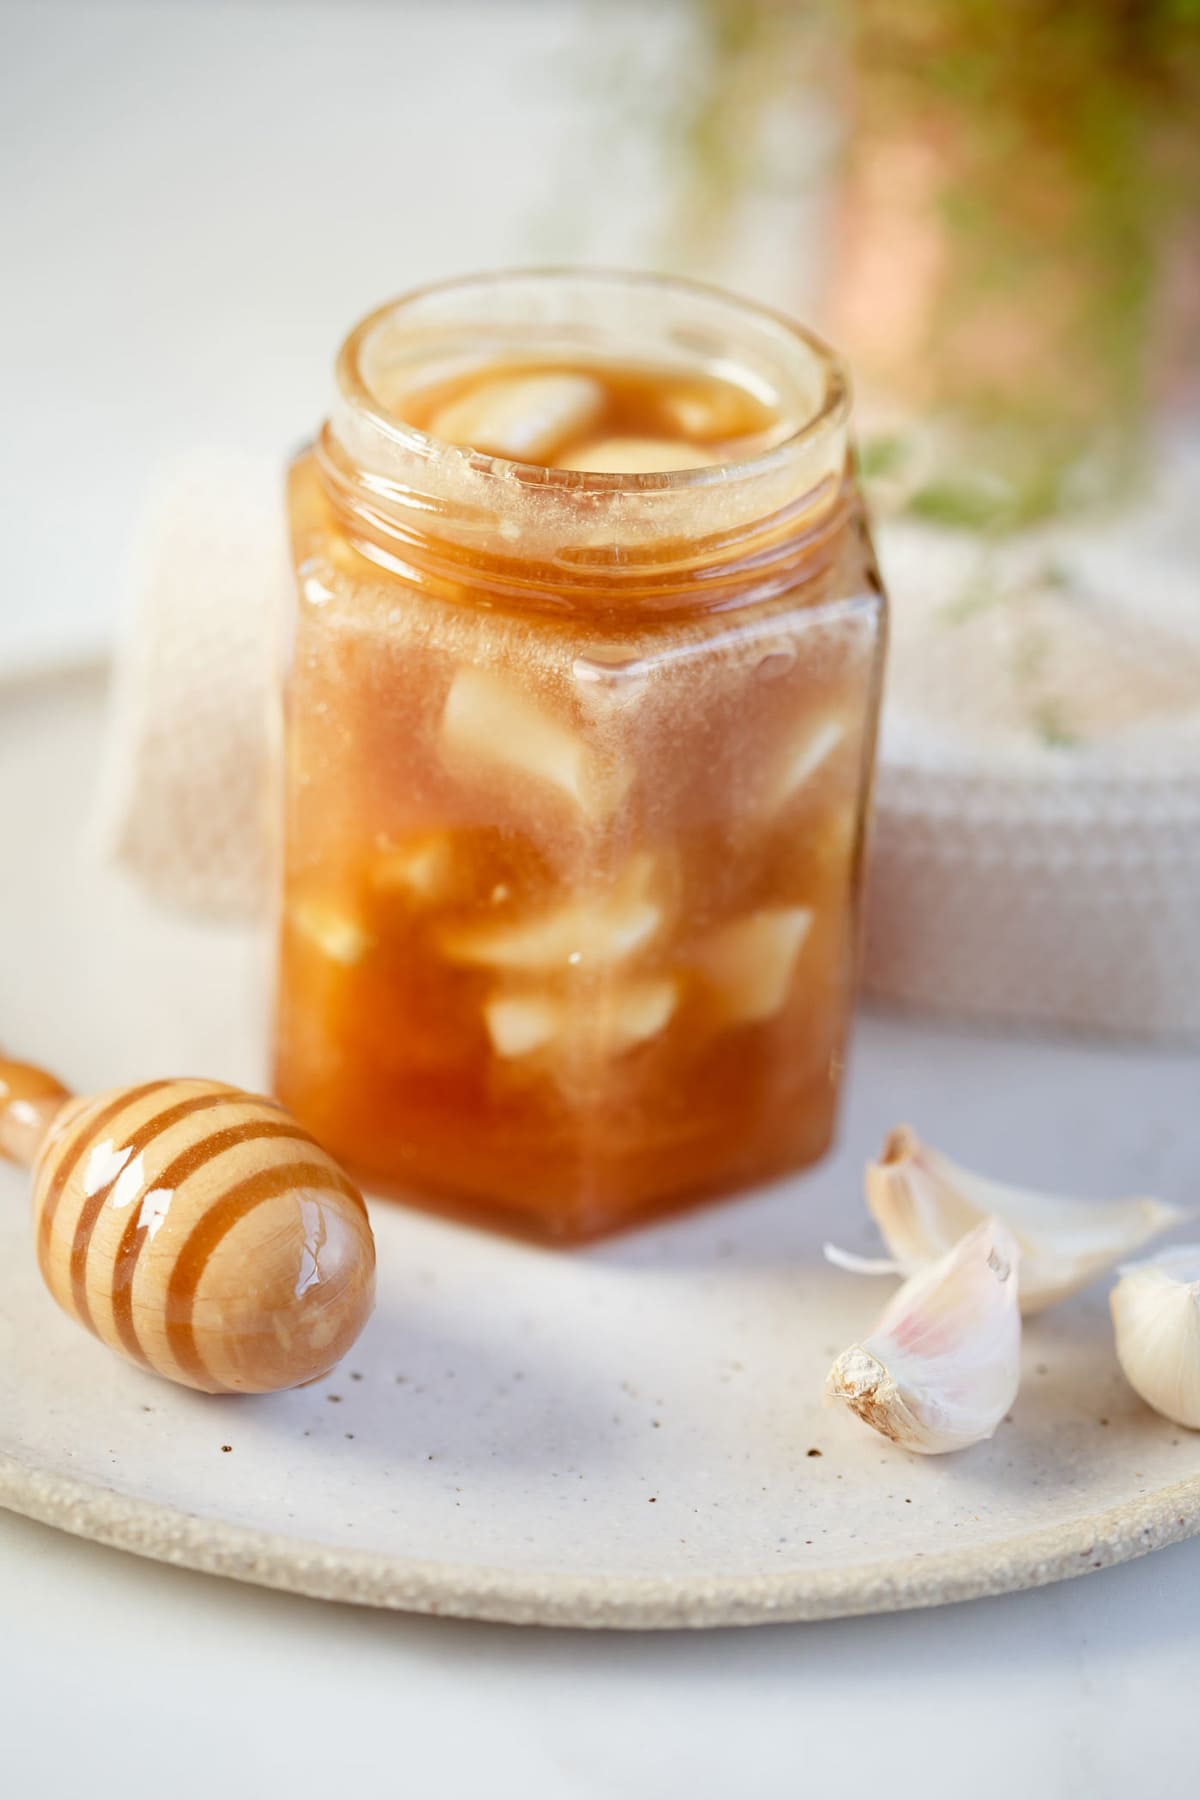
(580, 707)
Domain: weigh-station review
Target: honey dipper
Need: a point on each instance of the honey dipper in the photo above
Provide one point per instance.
(194, 1228)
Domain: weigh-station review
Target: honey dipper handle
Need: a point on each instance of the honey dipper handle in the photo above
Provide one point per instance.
(29, 1101)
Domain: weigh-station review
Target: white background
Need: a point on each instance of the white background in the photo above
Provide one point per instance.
(197, 199)
(200, 197)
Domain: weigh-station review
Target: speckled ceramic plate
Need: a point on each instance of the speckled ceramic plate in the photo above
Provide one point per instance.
(629, 1436)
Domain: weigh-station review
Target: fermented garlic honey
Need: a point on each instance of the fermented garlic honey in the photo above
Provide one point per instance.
(580, 707)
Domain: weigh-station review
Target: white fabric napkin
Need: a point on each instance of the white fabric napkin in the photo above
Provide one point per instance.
(185, 802)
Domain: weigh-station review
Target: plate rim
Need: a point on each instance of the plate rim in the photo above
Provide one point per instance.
(104, 1514)
(547, 1597)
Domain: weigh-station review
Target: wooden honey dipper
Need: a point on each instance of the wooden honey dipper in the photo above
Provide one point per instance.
(194, 1228)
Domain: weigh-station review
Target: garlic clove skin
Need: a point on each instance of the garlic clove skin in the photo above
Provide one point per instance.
(853, 1264)
(941, 1368)
(1156, 1318)
(923, 1203)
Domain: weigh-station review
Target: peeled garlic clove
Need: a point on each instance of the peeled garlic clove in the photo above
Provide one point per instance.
(749, 962)
(518, 1024)
(522, 417)
(421, 868)
(591, 932)
(330, 929)
(489, 723)
(942, 1366)
(703, 409)
(1156, 1317)
(632, 1014)
(923, 1202)
(802, 760)
(609, 1024)
(635, 456)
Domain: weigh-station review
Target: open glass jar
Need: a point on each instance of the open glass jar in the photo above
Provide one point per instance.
(577, 761)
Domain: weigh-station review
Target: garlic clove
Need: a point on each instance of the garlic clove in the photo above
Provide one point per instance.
(923, 1203)
(635, 1013)
(635, 456)
(1156, 1318)
(749, 963)
(802, 760)
(523, 417)
(330, 929)
(420, 867)
(942, 1366)
(491, 726)
(585, 933)
(612, 1023)
(518, 1024)
(704, 409)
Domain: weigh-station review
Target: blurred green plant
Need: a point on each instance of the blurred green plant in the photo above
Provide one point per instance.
(1061, 140)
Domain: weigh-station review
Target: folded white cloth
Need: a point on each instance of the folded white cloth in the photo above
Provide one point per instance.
(1010, 879)
(185, 801)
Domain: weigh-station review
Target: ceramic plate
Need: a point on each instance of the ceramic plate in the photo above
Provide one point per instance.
(631, 1435)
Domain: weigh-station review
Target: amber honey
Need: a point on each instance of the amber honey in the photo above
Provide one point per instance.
(580, 712)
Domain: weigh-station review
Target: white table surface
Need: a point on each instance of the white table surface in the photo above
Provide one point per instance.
(168, 185)
(124, 1681)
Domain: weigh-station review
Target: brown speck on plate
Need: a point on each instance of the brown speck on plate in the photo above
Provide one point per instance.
(814, 1452)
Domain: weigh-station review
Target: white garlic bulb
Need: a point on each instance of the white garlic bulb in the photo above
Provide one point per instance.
(1156, 1318)
(923, 1203)
(941, 1368)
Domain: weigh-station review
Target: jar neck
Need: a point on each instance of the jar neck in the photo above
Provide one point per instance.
(524, 537)
(790, 551)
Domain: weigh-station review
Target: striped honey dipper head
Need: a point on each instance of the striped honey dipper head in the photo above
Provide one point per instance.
(194, 1228)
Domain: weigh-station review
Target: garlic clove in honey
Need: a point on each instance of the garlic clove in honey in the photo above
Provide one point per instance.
(607, 1024)
(802, 760)
(635, 456)
(490, 725)
(706, 411)
(1156, 1317)
(421, 867)
(592, 931)
(519, 1024)
(524, 417)
(330, 928)
(923, 1203)
(941, 1368)
(749, 963)
(634, 1013)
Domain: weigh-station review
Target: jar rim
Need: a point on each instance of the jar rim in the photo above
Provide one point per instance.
(829, 414)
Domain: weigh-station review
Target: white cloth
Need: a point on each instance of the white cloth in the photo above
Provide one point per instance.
(185, 800)
(1006, 882)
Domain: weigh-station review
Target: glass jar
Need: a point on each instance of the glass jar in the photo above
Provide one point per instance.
(577, 770)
